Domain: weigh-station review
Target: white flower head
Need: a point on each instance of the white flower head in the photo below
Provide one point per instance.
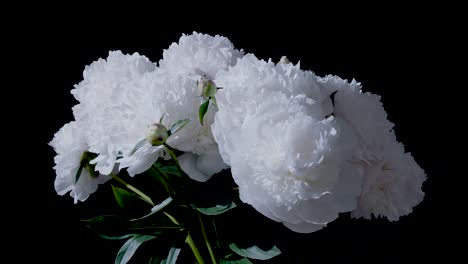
(175, 92)
(285, 153)
(392, 179)
(69, 143)
(115, 106)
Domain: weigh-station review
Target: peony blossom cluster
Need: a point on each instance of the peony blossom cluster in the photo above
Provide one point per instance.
(301, 148)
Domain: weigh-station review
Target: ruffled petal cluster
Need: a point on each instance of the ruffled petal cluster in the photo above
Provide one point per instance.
(274, 127)
(392, 180)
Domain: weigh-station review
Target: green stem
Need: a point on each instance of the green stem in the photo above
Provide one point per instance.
(155, 227)
(145, 197)
(207, 242)
(174, 157)
(196, 253)
(216, 233)
(188, 240)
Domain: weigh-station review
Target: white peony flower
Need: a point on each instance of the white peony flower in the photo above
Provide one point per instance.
(392, 179)
(285, 154)
(115, 106)
(69, 143)
(175, 91)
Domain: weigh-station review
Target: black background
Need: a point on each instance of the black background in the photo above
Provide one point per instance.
(403, 62)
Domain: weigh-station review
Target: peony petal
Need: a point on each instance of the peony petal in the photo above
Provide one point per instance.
(285, 215)
(188, 163)
(318, 211)
(347, 190)
(266, 212)
(143, 164)
(303, 227)
(211, 162)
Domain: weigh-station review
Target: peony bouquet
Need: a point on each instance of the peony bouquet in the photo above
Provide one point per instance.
(301, 149)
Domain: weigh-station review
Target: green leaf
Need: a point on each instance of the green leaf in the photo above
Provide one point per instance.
(104, 219)
(78, 173)
(172, 256)
(218, 209)
(255, 252)
(85, 162)
(91, 170)
(117, 237)
(169, 170)
(156, 209)
(240, 261)
(172, 218)
(123, 197)
(108, 225)
(162, 118)
(179, 125)
(129, 248)
(137, 146)
(159, 176)
(202, 111)
(154, 260)
(86, 158)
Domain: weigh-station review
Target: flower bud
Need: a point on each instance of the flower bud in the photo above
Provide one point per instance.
(206, 87)
(284, 60)
(157, 134)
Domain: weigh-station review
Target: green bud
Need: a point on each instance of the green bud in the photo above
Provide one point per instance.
(206, 88)
(157, 134)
